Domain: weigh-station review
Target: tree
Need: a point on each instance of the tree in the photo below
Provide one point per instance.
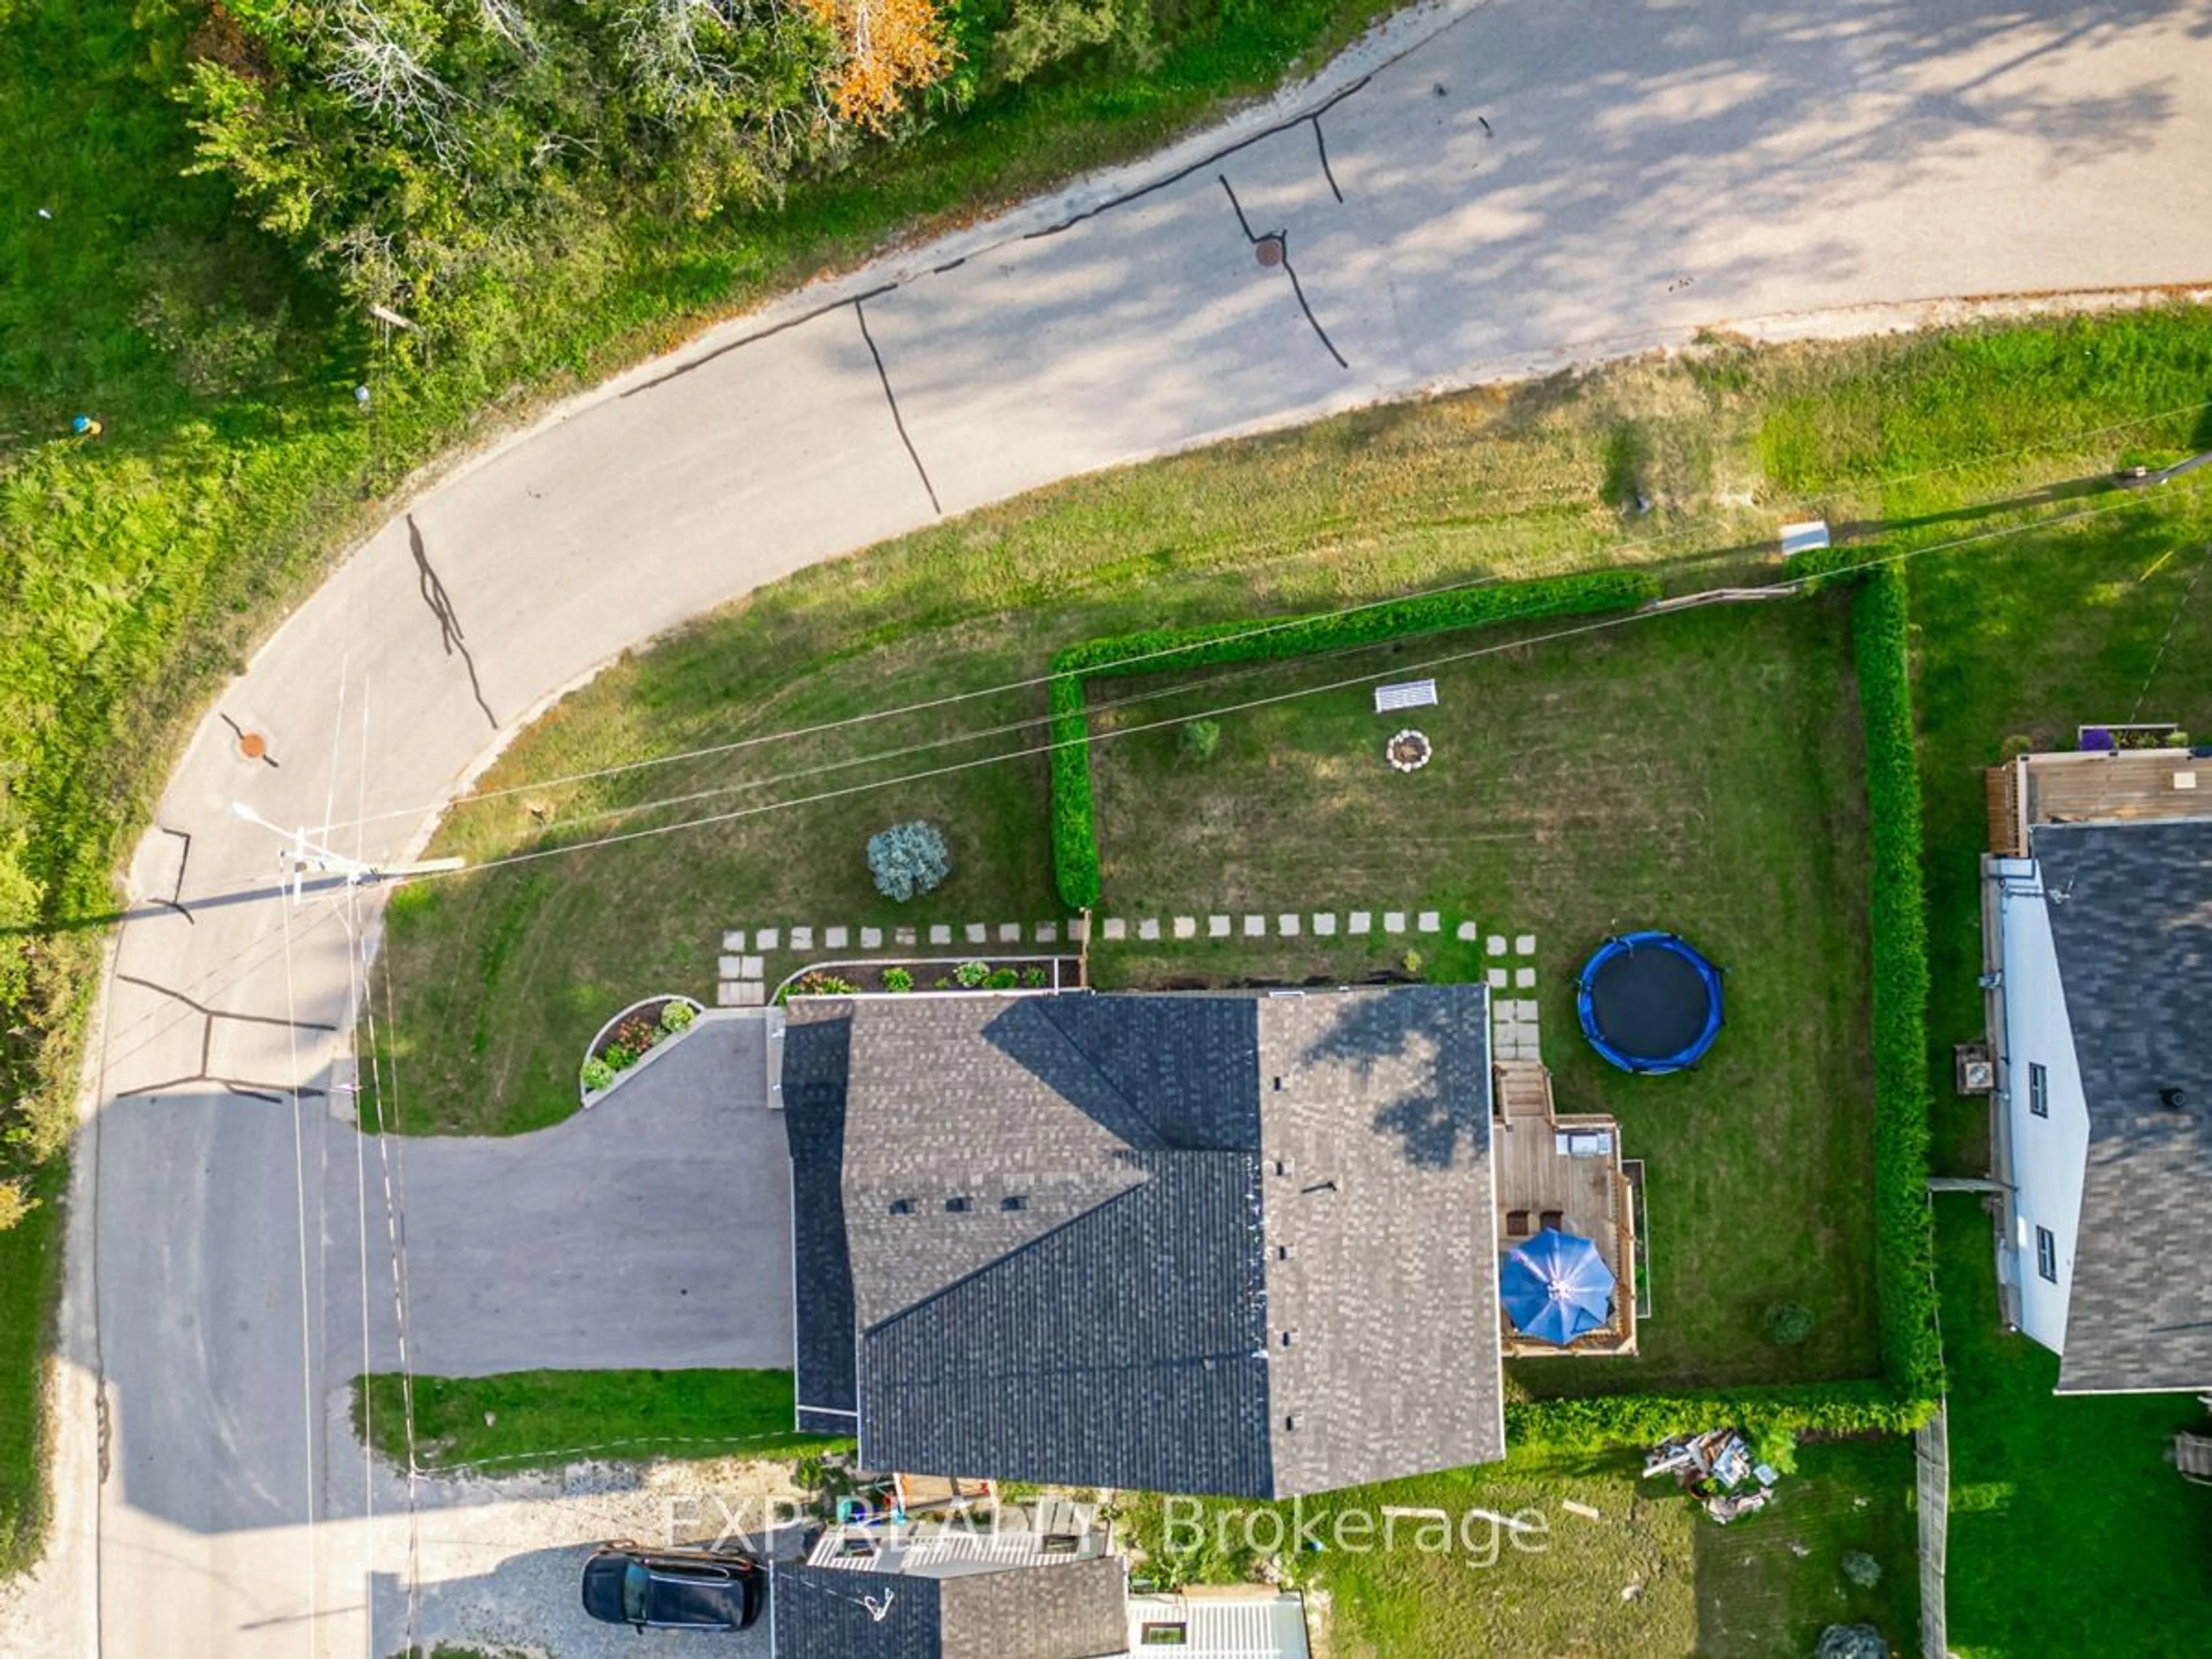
(885, 48)
(908, 859)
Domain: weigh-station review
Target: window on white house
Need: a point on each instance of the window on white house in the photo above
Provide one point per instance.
(2039, 1090)
(2046, 1254)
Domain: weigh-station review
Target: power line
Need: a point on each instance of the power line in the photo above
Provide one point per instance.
(1599, 625)
(1256, 630)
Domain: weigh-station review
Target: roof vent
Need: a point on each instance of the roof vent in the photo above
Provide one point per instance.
(2174, 1100)
(1013, 1201)
(901, 1206)
(955, 1206)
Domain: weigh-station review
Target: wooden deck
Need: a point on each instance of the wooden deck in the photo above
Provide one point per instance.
(1590, 1195)
(2132, 785)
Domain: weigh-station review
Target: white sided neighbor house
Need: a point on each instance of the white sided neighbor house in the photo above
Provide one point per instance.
(2097, 948)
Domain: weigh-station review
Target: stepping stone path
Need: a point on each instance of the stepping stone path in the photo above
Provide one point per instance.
(1513, 1027)
(741, 977)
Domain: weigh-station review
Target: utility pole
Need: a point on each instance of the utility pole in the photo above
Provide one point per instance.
(310, 856)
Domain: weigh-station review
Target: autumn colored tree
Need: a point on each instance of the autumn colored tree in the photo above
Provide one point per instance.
(887, 47)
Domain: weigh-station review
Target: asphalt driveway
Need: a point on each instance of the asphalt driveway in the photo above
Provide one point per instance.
(653, 1230)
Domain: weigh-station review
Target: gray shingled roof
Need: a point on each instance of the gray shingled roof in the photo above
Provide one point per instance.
(1123, 1326)
(814, 1052)
(1062, 1610)
(2133, 932)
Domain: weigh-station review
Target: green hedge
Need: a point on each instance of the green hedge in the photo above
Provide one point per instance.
(1913, 1354)
(1158, 650)
(1592, 1423)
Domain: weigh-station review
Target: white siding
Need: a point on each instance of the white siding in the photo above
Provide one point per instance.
(2047, 1154)
(1222, 1626)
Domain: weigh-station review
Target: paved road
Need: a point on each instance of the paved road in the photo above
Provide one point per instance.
(1536, 182)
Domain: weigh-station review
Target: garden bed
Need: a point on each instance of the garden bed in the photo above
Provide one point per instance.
(625, 1041)
(930, 976)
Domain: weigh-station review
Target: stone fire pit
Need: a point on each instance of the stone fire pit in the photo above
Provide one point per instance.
(1409, 750)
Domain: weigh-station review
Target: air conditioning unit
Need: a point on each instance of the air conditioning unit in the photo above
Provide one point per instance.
(1977, 1070)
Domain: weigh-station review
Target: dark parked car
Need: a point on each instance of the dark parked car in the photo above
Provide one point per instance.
(674, 1589)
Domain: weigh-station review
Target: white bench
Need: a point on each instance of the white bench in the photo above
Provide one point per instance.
(1411, 694)
(1806, 537)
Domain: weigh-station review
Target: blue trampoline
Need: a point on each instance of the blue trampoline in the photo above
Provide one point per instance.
(1649, 1002)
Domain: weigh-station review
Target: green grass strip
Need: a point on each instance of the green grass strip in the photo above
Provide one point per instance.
(542, 1419)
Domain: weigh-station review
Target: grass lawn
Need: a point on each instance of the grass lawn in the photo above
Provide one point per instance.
(1650, 1576)
(544, 1419)
(30, 1267)
(1698, 771)
(2069, 1534)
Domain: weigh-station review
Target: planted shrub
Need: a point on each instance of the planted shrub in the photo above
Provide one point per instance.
(908, 859)
(616, 1057)
(598, 1075)
(972, 975)
(1199, 739)
(1776, 1447)
(818, 984)
(1414, 961)
(1035, 978)
(1862, 1569)
(677, 1016)
(1851, 1642)
(897, 979)
(1789, 1323)
(1004, 979)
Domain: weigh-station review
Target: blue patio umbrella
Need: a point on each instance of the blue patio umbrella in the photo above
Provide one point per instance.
(1556, 1287)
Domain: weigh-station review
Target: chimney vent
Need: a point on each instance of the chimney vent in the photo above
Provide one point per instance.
(2173, 1100)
